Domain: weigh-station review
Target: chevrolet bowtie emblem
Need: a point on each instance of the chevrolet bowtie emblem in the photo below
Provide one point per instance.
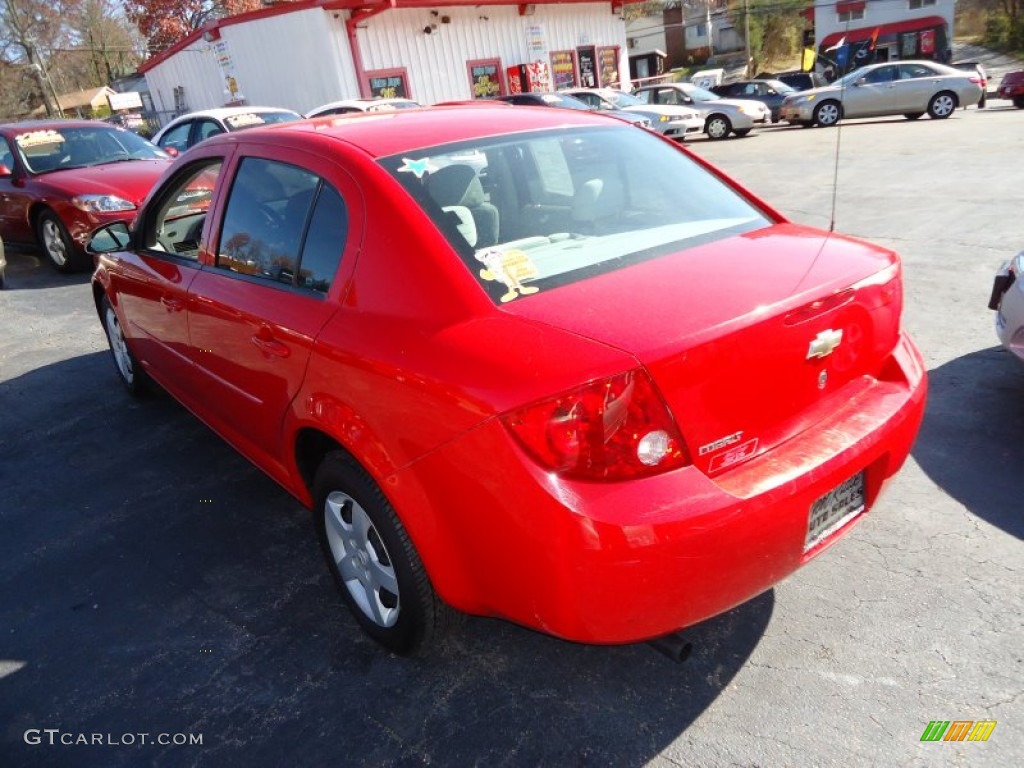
(824, 343)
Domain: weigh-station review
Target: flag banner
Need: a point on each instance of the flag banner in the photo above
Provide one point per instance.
(807, 64)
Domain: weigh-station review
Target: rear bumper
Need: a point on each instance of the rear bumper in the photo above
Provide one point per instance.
(1009, 320)
(622, 562)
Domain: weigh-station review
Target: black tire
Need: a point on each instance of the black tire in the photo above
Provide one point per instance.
(913, 115)
(742, 133)
(828, 113)
(942, 105)
(717, 127)
(1018, 102)
(982, 100)
(56, 244)
(384, 582)
(131, 374)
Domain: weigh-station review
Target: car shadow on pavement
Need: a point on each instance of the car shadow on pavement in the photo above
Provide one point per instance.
(159, 584)
(971, 442)
(28, 269)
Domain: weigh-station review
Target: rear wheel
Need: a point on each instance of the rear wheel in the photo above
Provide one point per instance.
(128, 368)
(373, 561)
(942, 105)
(56, 243)
(827, 113)
(913, 115)
(717, 127)
(1018, 102)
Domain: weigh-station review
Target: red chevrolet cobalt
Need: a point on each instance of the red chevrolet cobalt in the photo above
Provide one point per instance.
(553, 369)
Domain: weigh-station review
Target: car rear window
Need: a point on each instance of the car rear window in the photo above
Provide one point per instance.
(533, 211)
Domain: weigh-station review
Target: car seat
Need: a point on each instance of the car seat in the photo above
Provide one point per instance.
(455, 187)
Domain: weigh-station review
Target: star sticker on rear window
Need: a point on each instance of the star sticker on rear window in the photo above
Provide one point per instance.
(419, 167)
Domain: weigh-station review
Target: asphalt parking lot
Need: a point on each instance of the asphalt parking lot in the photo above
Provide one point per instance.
(155, 583)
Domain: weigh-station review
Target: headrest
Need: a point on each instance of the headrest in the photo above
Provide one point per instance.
(455, 185)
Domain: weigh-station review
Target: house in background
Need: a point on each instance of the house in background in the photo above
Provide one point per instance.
(684, 34)
(91, 102)
(306, 53)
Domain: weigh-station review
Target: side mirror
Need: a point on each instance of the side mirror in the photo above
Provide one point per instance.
(110, 238)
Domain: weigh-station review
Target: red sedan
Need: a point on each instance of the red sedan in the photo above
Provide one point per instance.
(61, 179)
(555, 370)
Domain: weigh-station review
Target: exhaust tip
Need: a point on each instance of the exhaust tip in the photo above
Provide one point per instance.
(673, 645)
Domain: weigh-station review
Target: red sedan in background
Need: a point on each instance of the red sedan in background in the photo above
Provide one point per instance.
(541, 385)
(61, 179)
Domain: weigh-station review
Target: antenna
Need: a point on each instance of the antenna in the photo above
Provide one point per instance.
(839, 125)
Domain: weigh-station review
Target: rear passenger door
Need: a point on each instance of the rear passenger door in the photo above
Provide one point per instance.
(914, 88)
(255, 311)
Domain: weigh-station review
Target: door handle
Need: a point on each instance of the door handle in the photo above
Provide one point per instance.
(172, 304)
(267, 344)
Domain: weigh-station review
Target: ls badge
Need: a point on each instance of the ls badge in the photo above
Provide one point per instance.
(824, 343)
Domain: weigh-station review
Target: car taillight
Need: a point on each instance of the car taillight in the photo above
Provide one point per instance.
(617, 428)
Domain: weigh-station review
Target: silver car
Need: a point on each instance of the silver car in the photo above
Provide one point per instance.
(908, 88)
(1008, 301)
(671, 121)
(3, 266)
(721, 116)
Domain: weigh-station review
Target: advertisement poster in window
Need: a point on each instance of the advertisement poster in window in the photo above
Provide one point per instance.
(485, 78)
(608, 61)
(928, 41)
(563, 69)
(587, 59)
(908, 45)
(389, 83)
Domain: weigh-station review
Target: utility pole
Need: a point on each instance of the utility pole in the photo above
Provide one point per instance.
(711, 37)
(746, 35)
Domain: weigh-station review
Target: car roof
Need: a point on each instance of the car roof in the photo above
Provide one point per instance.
(222, 112)
(43, 125)
(381, 134)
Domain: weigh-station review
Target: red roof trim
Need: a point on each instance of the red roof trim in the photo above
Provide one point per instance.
(851, 6)
(865, 33)
(336, 5)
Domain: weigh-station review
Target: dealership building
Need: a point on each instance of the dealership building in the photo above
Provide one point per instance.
(302, 54)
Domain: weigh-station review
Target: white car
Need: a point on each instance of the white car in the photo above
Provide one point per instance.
(188, 130)
(721, 116)
(348, 106)
(908, 88)
(1008, 302)
(672, 121)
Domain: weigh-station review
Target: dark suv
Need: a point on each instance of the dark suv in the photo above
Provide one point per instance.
(802, 81)
(1012, 88)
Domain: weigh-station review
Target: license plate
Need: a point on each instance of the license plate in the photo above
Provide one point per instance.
(834, 510)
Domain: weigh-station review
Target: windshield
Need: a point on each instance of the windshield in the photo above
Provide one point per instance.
(849, 78)
(697, 93)
(58, 149)
(254, 119)
(623, 100)
(534, 211)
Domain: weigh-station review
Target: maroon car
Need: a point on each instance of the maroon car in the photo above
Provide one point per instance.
(1012, 88)
(62, 179)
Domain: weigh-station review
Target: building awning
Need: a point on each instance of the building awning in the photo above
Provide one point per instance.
(865, 33)
(850, 6)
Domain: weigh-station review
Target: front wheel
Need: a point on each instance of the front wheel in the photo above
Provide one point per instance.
(717, 127)
(827, 114)
(1018, 102)
(942, 105)
(373, 561)
(56, 243)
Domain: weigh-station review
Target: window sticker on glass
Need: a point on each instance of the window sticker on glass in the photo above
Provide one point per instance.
(417, 167)
(509, 267)
(38, 139)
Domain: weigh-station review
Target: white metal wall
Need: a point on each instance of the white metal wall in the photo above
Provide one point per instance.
(294, 60)
(301, 60)
(436, 63)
